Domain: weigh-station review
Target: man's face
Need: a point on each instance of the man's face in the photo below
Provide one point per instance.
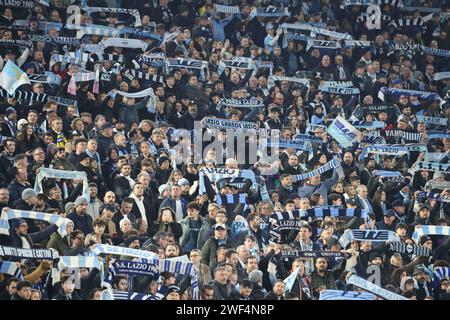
(175, 192)
(122, 285)
(245, 292)
(287, 181)
(22, 230)
(389, 220)
(4, 195)
(221, 276)
(305, 234)
(171, 251)
(126, 207)
(25, 293)
(220, 233)
(12, 288)
(57, 125)
(348, 158)
(363, 192)
(424, 214)
(278, 288)
(110, 198)
(125, 170)
(10, 147)
(82, 209)
(321, 264)
(208, 295)
(252, 264)
(138, 190)
(68, 287)
(93, 192)
(192, 213)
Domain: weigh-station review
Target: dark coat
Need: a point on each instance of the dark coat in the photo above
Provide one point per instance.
(83, 223)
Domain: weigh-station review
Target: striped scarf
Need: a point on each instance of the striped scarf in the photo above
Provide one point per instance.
(31, 98)
(189, 64)
(369, 286)
(238, 63)
(402, 247)
(270, 11)
(11, 268)
(314, 75)
(393, 3)
(122, 251)
(219, 8)
(345, 295)
(432, 136)
(151, 104)
(296, 253)
(332, 164)
(154, 60)
(430, 230)
(408, 136)
(154, 79)
(272, 79)
(336, 89)
(133, 12)
(231, 201)
(79, 262)
(16, 214)
(48, 78)
(402, 23)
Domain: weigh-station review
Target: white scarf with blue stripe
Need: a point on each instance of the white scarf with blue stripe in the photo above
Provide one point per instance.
(430, 230)
(16, 214)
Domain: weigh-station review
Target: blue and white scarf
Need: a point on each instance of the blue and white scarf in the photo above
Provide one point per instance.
(368, 124)
(361, 110)
(430, 230)
(441, 75)
(219, 8)
(295, 144)
(345, 295)
(16, 214)
(61, 174)
(432, 120)
(367, 235)
(11, 268)
(189, 64)
(79, 262)
(122, 251)
(339, 90)
(55, 40)
(332, 164)
(270, 11)
(383, 173)
(124, 295)
(216, 174)
(369, 286)
(435, 51)
(432, 136)
(271, 80)
(384, 150)
(409, 93)
(343, 132)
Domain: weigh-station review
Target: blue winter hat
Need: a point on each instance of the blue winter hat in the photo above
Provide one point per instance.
(18, 222)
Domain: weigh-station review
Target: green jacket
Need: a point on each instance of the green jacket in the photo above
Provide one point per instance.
(58, 243)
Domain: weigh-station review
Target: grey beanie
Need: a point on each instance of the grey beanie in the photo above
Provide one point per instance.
(255, 276)
(69, 206)
(80, 200)
(28, 193)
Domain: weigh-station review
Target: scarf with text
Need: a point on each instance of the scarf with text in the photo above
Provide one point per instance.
(384, 150)
(38, 254)
(362, 110)
(216, 174)
(200, 65)
(296, 253)
(409, 93)
(367, 235)
(219, 123)
(432, 120)
(369, 286)
(241, 103)
(332, 164)
(432, 166)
